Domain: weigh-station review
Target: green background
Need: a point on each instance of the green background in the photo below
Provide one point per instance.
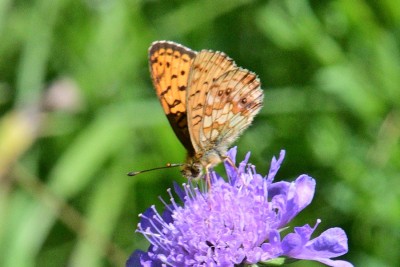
(78, 112)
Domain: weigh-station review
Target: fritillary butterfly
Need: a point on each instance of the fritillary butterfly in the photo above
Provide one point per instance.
(209, 101)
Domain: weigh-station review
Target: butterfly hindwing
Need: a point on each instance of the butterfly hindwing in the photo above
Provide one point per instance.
(233, 101)
(207, 67)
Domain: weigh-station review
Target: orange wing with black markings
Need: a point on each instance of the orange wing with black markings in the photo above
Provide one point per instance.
(170, 65)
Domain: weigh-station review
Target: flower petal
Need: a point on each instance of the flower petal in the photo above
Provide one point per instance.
(335, 263)
(231, 170)
(275, 165)
(141, 258)
(291, 198)
(330, 244)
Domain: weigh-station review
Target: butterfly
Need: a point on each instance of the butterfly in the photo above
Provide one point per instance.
(208, 100)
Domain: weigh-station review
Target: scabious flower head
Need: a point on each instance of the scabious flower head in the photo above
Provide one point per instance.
(238, 222)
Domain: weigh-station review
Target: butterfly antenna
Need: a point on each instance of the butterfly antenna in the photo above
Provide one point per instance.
(169, 165)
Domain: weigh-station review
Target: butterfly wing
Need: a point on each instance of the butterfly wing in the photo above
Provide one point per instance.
(222, 99)
(207, 67)
(237, 98)
(169, 67)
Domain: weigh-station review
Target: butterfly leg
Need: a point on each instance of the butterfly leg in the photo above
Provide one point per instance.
(230, 162)
(208, 177)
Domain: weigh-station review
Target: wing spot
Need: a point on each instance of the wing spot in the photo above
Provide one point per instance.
(166, 90)
(243, 100)
(228, 91)
(195, 93)
(174, 76)
(183, 72)
(197, 119)
(199, 106)
(176, 102)
(220, 92)
(168, 64)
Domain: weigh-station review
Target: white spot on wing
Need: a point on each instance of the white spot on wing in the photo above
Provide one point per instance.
(207, 121)
(214, 134)
(222, 119)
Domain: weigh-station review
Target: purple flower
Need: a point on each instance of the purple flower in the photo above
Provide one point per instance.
(239, 222)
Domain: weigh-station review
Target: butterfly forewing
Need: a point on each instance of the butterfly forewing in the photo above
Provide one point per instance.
(170, 65)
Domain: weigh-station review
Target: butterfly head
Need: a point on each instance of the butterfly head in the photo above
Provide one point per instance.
(192, 169)
(197, 162)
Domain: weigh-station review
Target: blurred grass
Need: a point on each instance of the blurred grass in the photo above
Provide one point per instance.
(78, 112)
